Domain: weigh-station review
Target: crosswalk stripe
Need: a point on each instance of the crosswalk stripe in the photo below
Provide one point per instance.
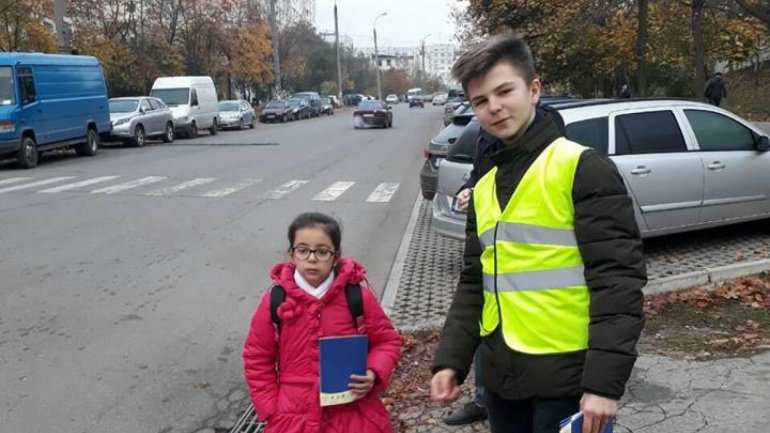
(12, 180)
(231, 189)
(129, 185)
(284, 189)
(383, 193)
(334, 191)
(80, 184)
(35, 184)
(181, 186)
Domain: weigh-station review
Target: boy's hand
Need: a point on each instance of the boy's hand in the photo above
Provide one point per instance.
(443, 386)
(362, 384)
(463, 198)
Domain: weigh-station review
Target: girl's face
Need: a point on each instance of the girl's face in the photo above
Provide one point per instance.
(313, 254)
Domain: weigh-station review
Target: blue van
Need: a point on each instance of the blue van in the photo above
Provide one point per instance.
(51, 101)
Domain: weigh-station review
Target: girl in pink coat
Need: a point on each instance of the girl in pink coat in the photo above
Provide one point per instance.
(281, 364)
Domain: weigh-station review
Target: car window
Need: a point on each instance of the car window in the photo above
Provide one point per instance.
(158, 103)
(28, 93)
(650, 132)
(193, 98)
(153, 103)
(715, 131)
(464, 148)
(145, 105)
(590, 132)
(245, 106)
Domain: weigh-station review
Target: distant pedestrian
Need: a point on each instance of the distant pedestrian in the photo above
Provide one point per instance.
(625, 93)
(280, 360)
(551, 288)
(716, 89)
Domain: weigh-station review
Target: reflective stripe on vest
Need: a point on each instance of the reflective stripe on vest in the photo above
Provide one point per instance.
(532, 268)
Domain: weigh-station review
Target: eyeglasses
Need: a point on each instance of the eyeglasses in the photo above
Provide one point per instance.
(321, 254)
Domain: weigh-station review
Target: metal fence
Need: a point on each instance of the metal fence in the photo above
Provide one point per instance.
(248, 422)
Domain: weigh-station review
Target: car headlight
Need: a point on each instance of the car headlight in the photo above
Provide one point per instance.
(122, 121)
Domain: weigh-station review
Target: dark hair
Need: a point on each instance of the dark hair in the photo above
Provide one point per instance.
(508, 47)
(316, 219)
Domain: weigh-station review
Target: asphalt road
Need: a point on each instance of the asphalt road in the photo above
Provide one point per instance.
(129, 278)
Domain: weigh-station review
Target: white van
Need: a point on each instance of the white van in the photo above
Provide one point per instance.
(192, 100)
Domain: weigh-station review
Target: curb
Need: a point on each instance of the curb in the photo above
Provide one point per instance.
(394, 279)
(706, 276)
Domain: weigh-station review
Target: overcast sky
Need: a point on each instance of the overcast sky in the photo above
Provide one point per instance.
(407, 21)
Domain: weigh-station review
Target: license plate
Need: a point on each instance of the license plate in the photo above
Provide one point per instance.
(368, 115)
(270, 115)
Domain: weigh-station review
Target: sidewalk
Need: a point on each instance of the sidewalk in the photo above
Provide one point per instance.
(663, 395)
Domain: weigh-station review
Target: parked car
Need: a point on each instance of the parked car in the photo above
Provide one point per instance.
(135, 119)
(439, 99)
(300, 109)
(373, 113)
(192, 100)
(436, 151)
(313, 100)
(687, 165)
(450, 113)
(392, 99)
(414, 96)
(276, 110)
(236, 113)
(352, 99)
(327, 106)
(38, 113)
(337, 103)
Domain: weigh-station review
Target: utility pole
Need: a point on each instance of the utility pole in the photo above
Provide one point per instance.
(60, 8)
(377, 56)
(422, 54)
(337, 44)
(276, 56)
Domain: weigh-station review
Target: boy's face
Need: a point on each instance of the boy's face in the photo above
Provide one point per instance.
(502, 99)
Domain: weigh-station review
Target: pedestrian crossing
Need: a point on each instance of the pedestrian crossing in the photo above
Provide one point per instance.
(203, 187)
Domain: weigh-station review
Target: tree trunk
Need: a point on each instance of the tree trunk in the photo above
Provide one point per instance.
(641, 50)
(697, 33)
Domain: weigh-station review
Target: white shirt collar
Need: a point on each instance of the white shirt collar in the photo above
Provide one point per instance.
(316, 292)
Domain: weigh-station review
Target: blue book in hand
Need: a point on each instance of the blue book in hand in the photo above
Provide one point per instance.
(574, 424)
(341, 357)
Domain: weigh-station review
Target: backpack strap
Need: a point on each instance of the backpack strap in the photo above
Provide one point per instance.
(355, 305)
(277, 295)
(353, 296)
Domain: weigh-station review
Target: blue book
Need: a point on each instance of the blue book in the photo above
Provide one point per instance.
(341, 357)
(574, 424)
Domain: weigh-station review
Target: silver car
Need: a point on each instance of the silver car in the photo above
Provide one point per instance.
(687, 165)
(135, 119)
(236, 113)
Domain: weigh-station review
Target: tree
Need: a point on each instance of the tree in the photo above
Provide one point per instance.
(395, 81)
(21, 27)
(641, 49)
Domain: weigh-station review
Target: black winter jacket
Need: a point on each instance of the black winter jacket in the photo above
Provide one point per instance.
(611, 247)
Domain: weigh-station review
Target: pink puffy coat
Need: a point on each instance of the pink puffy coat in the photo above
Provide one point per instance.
(288, 399)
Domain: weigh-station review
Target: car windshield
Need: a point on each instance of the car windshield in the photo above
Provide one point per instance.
(294, 103)
(172, 97)
(123, 105)
(229, 106)
(7, 93)
(275, 104)
(371, 105)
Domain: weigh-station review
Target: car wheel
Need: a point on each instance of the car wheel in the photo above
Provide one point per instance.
(253, 123)
(139, 137)
(168, 136)
(214, 127)
(28, 155)
(241, 125)
(91, 144)
(193, 132)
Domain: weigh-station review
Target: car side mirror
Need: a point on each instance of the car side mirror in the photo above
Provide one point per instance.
(141, 110)
(388, 107)
(763, 144)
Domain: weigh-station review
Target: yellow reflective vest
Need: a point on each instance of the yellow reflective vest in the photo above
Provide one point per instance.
(532, 269)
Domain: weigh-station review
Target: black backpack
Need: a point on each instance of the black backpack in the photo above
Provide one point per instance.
(352, 295)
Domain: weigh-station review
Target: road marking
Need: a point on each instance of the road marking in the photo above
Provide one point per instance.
(231, 189)
(79, 184)
(182, 186)
(284, 189)
(334, 191)
(34, 184)
(383, 193)
(129, 185)
(12, 180)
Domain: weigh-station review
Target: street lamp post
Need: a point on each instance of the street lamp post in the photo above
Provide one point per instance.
(377, 55)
